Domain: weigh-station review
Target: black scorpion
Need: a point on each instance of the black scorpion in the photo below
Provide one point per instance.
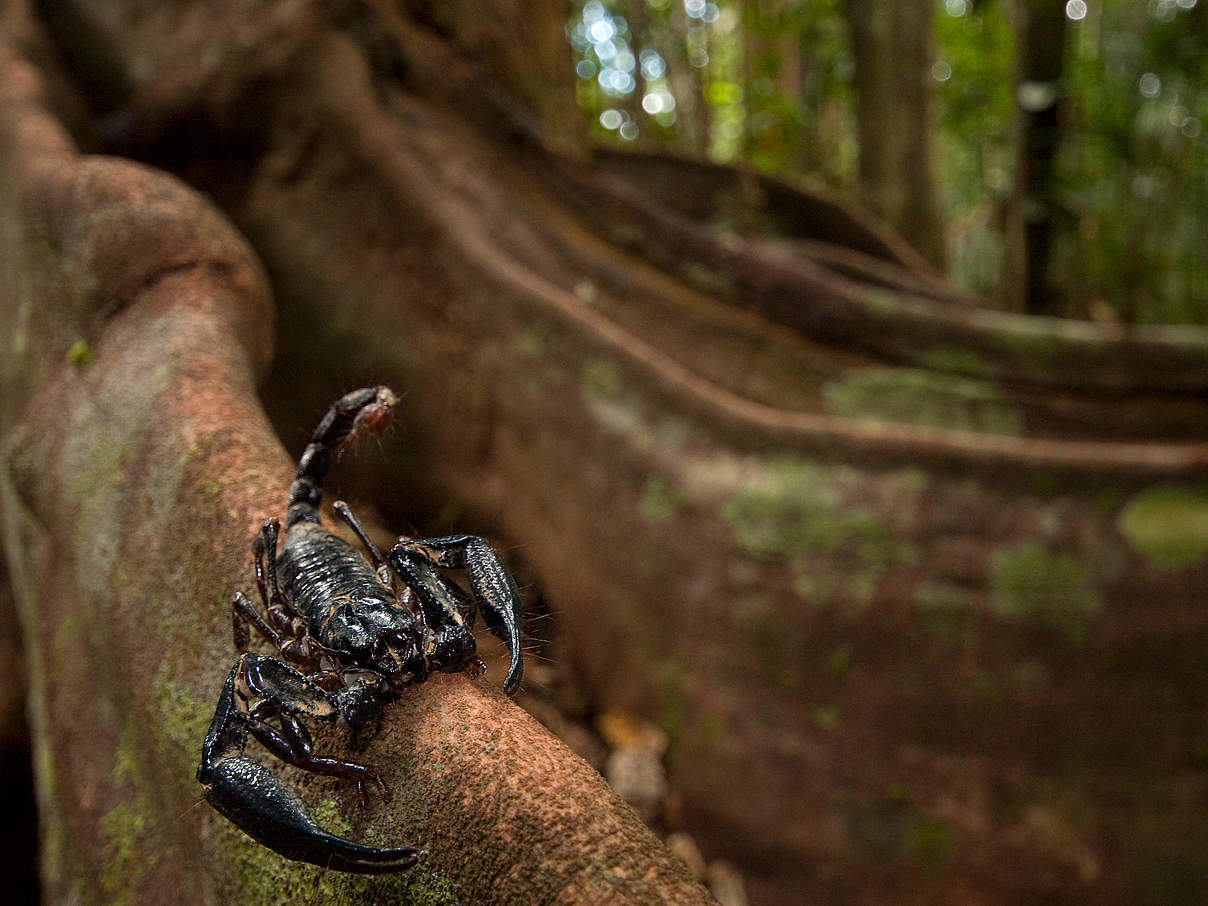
(354, 644)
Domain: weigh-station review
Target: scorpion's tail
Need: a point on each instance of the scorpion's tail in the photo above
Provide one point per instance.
(363, 411)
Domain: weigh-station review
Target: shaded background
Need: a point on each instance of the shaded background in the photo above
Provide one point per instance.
(731, 322)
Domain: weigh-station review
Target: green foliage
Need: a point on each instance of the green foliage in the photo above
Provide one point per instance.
(1134, 168)
(770, 83)
(974, 55)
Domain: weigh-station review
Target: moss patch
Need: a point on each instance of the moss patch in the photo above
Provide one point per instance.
(660, 499)
(184, 718)
(894, 831)
(917, 397)
(1168, 525)
(792, 512)
(944, 610)
(1030, 584)
(80, 354)
(600, 378)
(956, 359)
(123, 840)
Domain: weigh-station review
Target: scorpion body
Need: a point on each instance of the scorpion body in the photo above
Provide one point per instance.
(352, 643)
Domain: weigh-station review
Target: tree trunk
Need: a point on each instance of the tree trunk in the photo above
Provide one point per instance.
(891, 44)
(1040, 27)
(138, 465)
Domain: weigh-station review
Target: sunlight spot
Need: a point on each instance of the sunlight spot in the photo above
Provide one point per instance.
(653, 64)
(616, 82)
(1163, 10)
(601, 30)
(585, 69)
(956, 8)
(1035, 96)
(629, 131)
(1149, 85)
(941, 70)
(611, 119)
(1076, 10)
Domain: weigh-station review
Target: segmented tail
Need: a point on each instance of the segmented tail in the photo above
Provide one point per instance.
(363, 411)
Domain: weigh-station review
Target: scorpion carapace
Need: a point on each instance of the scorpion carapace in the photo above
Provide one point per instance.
(349, 642)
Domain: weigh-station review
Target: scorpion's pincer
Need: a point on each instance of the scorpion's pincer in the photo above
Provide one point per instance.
(257, 802)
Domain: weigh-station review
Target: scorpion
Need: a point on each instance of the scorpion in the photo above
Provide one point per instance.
(352, 641)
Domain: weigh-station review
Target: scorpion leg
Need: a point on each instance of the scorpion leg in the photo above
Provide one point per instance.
(264, 547)
(494, 588)
(250, 796)
(243, 614)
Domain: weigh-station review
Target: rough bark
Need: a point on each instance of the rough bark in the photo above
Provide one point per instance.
(138, 465)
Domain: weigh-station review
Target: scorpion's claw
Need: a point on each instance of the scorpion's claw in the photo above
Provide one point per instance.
(256, 801)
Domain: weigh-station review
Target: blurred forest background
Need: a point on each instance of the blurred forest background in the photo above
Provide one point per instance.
(834, 373)
(1051, 156)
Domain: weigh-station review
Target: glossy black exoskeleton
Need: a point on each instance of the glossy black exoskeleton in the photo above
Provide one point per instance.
(352, 642)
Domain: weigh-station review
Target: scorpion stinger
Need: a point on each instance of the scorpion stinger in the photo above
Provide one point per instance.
(353, 641)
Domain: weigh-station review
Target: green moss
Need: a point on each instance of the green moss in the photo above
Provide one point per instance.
(708, 280)
(892, 830)
(530, 346)
(601, 378)
(80, 354)
(944, 610)
(881, 303)
(1044, 484)
(122, 831)
(825, 717)
(660, 499)
(672, 682)
(586, 291)
(1167, 524)
(840, 660)
(259, 875)
(954, 359)
(1030, 584)
(791, 512)
(929, 842)
(918, 397)
(184, 718)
